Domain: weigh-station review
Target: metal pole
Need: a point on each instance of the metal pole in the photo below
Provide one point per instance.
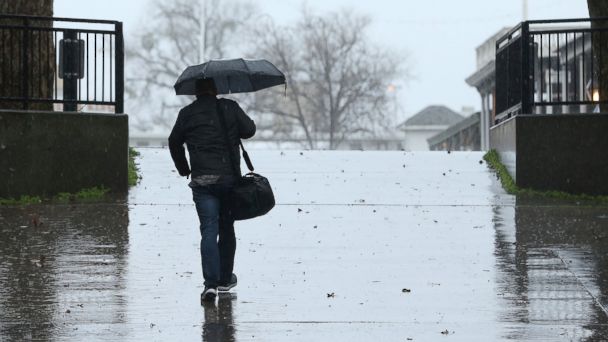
(203, 33)
(525, 10)
(526, 75)
(120, 70)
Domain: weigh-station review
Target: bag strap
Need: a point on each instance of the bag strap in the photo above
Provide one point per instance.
(233, 160)
(246, 157)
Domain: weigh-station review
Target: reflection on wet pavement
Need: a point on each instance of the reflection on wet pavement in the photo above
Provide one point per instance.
(332, 261)
(552, 267)
(62, 271)
(218, 324)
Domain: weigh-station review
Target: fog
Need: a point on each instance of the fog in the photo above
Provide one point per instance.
(439, 36)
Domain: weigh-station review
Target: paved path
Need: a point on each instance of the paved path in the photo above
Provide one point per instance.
(351, 232)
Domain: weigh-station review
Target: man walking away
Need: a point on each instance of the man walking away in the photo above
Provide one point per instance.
(213, 176)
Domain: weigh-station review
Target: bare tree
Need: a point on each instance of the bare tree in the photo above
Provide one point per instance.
(169, 43)
(39, 63)
(599, 9)
(337, 78)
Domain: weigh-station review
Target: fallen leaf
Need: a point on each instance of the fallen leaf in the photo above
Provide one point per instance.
(36, 221)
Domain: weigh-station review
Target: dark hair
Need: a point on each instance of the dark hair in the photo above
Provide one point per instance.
(205, 86)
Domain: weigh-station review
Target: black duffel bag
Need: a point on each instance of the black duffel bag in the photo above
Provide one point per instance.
(252, 195)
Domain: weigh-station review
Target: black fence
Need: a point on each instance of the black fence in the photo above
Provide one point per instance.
(548, 67)
(61, 64)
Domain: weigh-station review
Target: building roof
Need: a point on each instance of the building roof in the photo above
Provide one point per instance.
(454, 129)
(484, 76)
(433, 116)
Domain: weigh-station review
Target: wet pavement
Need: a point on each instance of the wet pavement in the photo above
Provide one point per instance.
(362, 246)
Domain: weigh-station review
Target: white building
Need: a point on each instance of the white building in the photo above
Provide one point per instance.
(426, 124)
(484, 80)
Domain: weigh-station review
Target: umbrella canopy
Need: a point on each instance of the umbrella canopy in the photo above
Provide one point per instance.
(230, 76)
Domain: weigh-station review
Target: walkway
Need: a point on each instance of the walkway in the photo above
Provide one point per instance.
(363, 246)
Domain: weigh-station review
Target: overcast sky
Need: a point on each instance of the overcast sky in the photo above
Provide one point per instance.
(440, 36)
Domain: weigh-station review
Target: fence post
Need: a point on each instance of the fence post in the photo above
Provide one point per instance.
(24, 65)
(120, 69)
(526, 75)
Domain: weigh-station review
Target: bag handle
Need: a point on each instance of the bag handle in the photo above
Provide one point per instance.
(220, 114)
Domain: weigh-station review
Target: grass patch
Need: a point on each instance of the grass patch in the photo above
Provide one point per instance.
(134, 176)
(23, 200)
(493, 159)
(89, 194)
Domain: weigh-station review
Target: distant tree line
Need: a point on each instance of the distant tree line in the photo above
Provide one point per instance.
(338, 80)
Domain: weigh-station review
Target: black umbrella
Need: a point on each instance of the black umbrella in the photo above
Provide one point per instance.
(230, 76)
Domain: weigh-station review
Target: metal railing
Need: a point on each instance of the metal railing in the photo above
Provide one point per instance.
(548, 67)
(62, 63)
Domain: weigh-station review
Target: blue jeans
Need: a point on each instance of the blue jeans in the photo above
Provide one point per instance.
(217, 256)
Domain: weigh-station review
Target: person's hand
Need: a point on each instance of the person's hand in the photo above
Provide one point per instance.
(185, 173)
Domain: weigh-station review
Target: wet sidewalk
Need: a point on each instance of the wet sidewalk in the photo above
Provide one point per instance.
(362, 246)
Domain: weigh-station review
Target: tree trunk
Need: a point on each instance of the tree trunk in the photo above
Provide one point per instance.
(597, 9)
(27, 57)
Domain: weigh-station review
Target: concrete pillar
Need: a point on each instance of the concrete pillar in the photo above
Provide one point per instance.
(484, 127)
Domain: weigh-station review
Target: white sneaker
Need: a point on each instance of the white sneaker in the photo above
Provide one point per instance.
(229, 285)
(208, 294)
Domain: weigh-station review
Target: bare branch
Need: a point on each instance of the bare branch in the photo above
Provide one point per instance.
(168, 43)
(338, 79)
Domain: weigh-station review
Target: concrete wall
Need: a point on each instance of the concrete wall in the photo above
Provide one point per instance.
(44, 153)
(502, 139)
(556, 152)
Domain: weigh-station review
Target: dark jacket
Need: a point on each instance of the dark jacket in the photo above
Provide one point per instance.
(199, 128)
